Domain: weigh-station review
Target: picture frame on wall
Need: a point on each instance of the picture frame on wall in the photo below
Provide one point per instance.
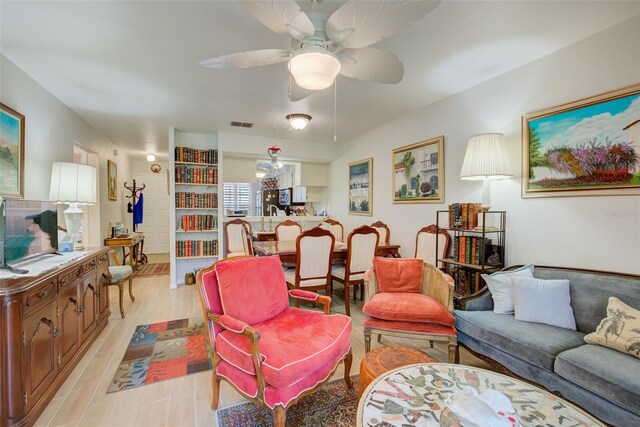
(12, 125)
(112, 180)
(589, 147)
(361, 187)
(418, 172)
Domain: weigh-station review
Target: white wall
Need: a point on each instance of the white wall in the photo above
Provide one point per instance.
(52, 130)
(599, 233)
(234, 144)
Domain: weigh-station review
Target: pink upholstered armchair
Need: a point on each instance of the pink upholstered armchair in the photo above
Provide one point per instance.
(409, 298)
(272, 354)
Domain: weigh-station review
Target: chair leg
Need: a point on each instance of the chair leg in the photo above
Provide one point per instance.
(347, 309)
(454, 353)
(215, 385)
(279, 416)
(121, 294)
(379, 337)
(362, 292)
(430, 344)
(347, 369)
(367, 340)
(131, 289)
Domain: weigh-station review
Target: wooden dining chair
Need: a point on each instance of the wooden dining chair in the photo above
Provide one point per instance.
(362, 244)
(383, 231)
(288, 230)
(312, 272)
(238, 238)
(335, 228)
(120, 273)
(426, 244)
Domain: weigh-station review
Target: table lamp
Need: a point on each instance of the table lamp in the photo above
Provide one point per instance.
(74, 184)
(486, 159)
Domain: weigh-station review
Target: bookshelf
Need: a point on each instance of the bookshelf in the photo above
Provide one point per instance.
(478, 245)
(195, 213)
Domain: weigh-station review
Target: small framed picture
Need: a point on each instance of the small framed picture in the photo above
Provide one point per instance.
(361, 187)
(11, 153)
(112, 180)
(418, 172)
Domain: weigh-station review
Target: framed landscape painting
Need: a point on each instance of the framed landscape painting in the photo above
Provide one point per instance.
(112, 180)
(418, 172)
(11, 153)
(589, 147)
(361, 187)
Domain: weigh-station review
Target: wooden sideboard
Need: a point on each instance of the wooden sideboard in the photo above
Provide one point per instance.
(47, 323)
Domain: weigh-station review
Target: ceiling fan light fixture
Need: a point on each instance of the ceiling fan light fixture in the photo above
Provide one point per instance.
(314, 70)
(298, 121)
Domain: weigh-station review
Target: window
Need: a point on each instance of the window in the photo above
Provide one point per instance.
(237, 196)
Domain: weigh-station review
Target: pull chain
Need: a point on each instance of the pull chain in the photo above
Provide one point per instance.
(335, 108)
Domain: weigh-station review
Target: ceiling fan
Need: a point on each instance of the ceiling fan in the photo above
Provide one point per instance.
(322, 47)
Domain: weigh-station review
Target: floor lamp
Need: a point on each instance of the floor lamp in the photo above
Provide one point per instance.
(486, 159)
(74, 184)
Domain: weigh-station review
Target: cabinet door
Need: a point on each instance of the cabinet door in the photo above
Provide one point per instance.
(103, 294)
(40, 352)
(68, 323)
(88, 307)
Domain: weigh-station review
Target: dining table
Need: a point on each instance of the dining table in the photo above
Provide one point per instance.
(286, 250)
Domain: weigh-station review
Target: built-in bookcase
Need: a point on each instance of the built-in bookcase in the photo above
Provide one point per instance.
(195, 192)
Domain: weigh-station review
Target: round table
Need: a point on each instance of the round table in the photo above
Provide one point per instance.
(381, 360)
(415, 395)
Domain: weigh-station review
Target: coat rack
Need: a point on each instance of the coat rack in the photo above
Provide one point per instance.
(135, 195)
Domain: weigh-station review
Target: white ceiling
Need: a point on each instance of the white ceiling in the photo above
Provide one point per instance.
(129, 67)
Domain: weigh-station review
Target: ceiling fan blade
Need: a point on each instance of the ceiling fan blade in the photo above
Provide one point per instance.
(359, 24)
(296, 93)
(281, 16)
(371, 64)
(252, 58)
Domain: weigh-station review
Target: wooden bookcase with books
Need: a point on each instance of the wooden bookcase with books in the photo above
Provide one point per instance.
(195, 218)
(477, 244)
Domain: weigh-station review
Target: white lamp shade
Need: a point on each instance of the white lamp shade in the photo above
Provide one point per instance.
(314, 70)
(73, 183)
(486, 158)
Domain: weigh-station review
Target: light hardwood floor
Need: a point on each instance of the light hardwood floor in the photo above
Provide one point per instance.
(83, 400)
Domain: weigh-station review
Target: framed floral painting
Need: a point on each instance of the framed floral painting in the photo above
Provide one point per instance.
(588, 147)
(361, 187)
(112, 180)
(418, 172)
(11, 153)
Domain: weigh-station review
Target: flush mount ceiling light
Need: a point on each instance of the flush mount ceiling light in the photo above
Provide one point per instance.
(315, 70)
(298, 121)
(151, 157)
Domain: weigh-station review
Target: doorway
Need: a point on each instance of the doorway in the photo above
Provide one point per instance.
(155, 224)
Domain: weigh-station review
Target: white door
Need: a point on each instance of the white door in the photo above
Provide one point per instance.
(155, 225)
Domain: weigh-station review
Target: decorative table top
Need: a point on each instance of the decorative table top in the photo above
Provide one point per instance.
(416, 394)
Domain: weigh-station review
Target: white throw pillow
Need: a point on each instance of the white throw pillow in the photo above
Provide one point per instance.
(499, 284)
(543, 301)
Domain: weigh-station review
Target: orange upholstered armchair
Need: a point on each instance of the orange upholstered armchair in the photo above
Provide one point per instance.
(409, 298)
(272, 354)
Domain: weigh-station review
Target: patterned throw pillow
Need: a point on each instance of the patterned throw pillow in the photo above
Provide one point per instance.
(620, 330)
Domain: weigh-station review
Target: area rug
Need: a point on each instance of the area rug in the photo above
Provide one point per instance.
(161, 351)
(332, 406)
(148, 270)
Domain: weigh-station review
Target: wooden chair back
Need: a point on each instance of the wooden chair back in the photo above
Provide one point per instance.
(314, 249)
(362, 244)
(426, 244)
(288, 230)
(238, 237)
(383, 231)
(335, 228)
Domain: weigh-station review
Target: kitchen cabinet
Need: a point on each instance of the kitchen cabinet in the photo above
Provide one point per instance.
(300, 194)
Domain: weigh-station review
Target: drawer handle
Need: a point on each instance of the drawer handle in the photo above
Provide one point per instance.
(43, 294)
(56, 331)
(81, 309)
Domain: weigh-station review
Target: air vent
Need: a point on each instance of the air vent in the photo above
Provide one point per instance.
(242, 124)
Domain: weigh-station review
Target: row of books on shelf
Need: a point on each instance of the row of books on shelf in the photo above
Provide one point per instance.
(467, 281)
(188, 248)
(471, 249)
(198, 222)
(196, 200)
(193, 155)
(464, 215)
(185, 175)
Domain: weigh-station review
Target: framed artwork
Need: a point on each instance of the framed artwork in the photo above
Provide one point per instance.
(418, 172)
(589, 147)
(361, 187)
(11, 153)
(112, 180)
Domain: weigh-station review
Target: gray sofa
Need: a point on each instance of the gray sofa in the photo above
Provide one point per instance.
(603, 381)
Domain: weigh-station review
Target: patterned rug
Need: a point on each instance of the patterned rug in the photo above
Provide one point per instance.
(148, 270)
(332, 406)
(161, 351)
